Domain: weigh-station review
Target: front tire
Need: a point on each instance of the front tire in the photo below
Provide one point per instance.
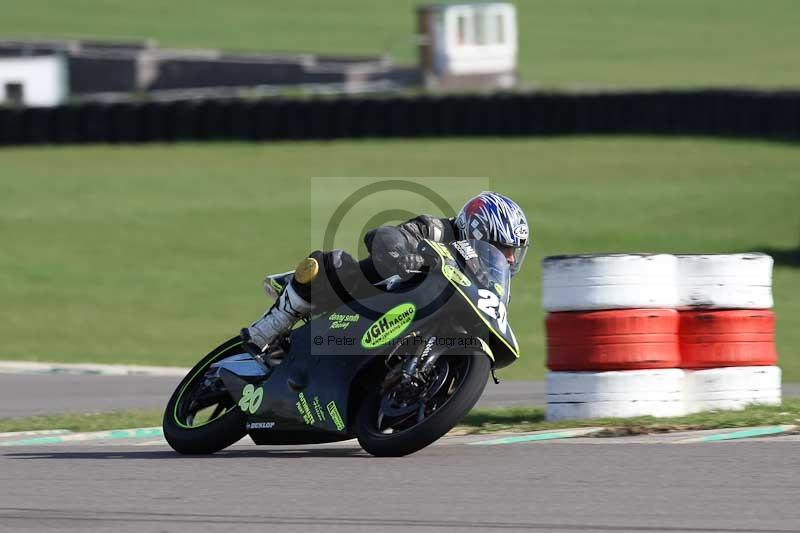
(181, 431)
(437, 424)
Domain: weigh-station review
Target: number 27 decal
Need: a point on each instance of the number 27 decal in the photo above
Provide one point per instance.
(492, 306)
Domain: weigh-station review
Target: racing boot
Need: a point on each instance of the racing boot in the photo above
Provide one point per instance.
(284, 313)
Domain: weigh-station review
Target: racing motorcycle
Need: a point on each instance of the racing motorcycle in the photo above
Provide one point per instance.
(397, 369)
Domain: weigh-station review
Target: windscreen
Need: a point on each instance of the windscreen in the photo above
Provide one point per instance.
(496, 274)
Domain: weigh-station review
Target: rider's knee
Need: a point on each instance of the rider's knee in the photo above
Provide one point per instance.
(324, 278)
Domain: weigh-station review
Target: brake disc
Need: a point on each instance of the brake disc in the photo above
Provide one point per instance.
(395, 407)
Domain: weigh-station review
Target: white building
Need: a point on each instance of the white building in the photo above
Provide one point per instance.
(35, 81)
(468, 45)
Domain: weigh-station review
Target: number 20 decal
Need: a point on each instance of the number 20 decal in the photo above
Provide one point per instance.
(492, 306)
(251, 398)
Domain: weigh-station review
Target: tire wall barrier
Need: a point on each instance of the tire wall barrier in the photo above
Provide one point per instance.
(758, 114)
(658, 334)
(624, 339)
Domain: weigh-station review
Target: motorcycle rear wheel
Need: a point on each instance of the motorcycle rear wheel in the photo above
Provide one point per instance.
(226, 424)
(380, 442)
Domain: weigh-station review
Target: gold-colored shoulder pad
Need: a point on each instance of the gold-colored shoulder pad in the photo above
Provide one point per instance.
(306, 270)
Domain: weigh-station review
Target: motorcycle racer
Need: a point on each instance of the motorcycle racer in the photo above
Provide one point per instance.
(489, 216)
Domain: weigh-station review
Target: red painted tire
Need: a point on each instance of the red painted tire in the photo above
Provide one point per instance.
(710, 339)
(624, 339)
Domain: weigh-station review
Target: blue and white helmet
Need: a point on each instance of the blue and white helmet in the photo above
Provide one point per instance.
(497, 219)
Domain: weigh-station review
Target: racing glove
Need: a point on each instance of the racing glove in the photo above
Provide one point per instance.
(408, 265)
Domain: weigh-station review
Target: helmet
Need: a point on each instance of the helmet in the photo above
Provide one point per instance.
(497, 219)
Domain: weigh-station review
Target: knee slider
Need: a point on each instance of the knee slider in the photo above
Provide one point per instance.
(306, 271)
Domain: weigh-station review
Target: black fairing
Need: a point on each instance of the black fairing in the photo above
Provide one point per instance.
(487, 294)
(312, 396)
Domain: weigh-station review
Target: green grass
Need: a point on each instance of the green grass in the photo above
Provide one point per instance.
(154, 254)
(564, 43)
(532, 419)
(84, 421)
(478, 421)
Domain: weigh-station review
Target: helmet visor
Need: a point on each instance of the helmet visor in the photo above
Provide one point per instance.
(514, 255)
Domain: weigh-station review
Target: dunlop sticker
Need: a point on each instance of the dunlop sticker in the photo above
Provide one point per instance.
(390, 325)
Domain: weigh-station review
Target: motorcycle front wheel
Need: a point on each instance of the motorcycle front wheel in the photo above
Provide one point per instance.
(201, 417)
(390, 427)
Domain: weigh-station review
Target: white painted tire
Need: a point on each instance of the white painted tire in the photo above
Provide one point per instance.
(737, 404)
(743, 396)
(732, 387)
(734, 378)
(725, 281)
(611, 281)
(619, 409)
(666, 380)
(616, 394)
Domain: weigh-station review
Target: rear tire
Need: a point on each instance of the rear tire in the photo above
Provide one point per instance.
(430, 429)
(211, 436)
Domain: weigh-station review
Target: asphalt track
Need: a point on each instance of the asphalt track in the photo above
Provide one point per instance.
(34, 394)
(647, 484)
(635, 484)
